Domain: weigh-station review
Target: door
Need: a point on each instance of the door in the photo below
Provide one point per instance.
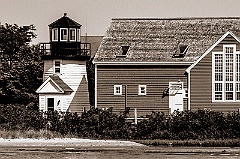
(176, 94)
(50, 104)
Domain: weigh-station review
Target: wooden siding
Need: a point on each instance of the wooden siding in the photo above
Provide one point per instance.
(80, 101)
(72, 73)
(156, 78)
(201, 83)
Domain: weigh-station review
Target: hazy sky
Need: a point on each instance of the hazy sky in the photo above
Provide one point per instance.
(97, 14)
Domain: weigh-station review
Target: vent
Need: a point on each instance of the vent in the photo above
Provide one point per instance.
(125, 50)
(181, 52)
(123, 54)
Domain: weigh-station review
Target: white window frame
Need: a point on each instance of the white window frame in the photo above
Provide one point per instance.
(53, 34)
(61, 34)
(75, 32)
(116, 89)
(54, 66)
(224, 81)
(140, 89)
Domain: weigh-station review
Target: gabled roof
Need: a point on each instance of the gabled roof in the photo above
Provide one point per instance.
(65, 22)
(211, 48)
(55, 85)
(157, 40)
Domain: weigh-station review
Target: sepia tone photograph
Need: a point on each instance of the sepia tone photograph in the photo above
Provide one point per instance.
(120, 79)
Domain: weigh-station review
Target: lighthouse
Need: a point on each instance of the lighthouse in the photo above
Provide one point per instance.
(65, 85)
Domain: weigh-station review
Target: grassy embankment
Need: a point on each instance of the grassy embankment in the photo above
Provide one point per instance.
(199, 143)
(45, 134)
(42, 134)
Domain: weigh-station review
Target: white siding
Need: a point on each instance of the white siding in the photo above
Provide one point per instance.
(72, 72)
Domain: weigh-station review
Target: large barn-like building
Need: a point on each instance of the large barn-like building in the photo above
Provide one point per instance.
(169, 64)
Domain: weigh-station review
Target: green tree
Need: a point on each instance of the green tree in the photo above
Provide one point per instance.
(21, 67)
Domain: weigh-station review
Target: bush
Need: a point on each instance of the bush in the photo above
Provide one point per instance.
(96, 123)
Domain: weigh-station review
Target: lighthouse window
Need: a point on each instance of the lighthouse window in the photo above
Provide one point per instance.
(78, 34)
(72, 34)
(57, 67)
(64, 34)
(55, 34)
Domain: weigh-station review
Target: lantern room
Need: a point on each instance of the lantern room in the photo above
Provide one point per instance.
(65, 41)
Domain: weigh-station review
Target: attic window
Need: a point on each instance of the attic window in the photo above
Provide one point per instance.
(125, 50)
(182, 50)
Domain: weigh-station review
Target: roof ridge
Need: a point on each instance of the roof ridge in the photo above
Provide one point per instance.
(178, 18)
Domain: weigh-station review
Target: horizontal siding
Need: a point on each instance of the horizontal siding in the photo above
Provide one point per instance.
(201, 82)
(156, 78)
(72, 73)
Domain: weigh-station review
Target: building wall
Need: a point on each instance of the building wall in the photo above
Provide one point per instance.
(201, 83)
(73, 73)
(156, 78)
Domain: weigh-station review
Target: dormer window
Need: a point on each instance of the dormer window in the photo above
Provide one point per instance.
(55, 34)
(72, 34)
(64, 34)
(125, 50)
(123, 54)
(181, 52)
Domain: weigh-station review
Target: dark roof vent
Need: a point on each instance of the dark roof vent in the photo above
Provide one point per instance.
(65, 14)
(181, 52)
(123, 54)
(125, 49)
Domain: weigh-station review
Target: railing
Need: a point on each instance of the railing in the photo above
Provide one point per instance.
(79, 49)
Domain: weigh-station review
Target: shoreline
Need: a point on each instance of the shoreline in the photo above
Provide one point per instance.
(63, 142)
(89, 145)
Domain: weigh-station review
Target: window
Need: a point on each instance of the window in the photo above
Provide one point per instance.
(50, 104)
(226, 74)
(54, 34)
(78, 34)
(117, 89)
(57, 67)
(72, 34)
(142, 90)
(64, 34)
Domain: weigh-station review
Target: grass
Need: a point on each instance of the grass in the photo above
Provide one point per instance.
(203, 143)
(42, 134)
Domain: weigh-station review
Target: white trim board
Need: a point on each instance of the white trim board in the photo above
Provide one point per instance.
(45, 83)
(142, 63)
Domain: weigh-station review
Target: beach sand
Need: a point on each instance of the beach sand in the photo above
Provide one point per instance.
(65, 142)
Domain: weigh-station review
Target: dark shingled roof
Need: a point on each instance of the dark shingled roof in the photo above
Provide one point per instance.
(65, 22)
(158, 39)
(60, 83)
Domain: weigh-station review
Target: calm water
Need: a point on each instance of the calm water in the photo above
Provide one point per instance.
(130, 153)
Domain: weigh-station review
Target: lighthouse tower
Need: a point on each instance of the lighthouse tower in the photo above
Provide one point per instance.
(65, 77)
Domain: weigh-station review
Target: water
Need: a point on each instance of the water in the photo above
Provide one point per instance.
(118, 153)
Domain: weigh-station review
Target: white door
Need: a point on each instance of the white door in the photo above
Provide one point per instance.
(176, 94)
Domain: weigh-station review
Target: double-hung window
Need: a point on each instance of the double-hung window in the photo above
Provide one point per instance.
(72, 34)
(142, 90)
(57, 65)
(64, 34)
(117, 89)
(54, 34)
(226, 74)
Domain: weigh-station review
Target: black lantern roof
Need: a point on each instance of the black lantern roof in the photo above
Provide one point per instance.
(65, 22)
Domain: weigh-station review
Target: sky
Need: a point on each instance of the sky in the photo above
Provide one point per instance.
(95, 15)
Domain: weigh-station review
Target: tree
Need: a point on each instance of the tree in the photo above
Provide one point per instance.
(21, 67)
